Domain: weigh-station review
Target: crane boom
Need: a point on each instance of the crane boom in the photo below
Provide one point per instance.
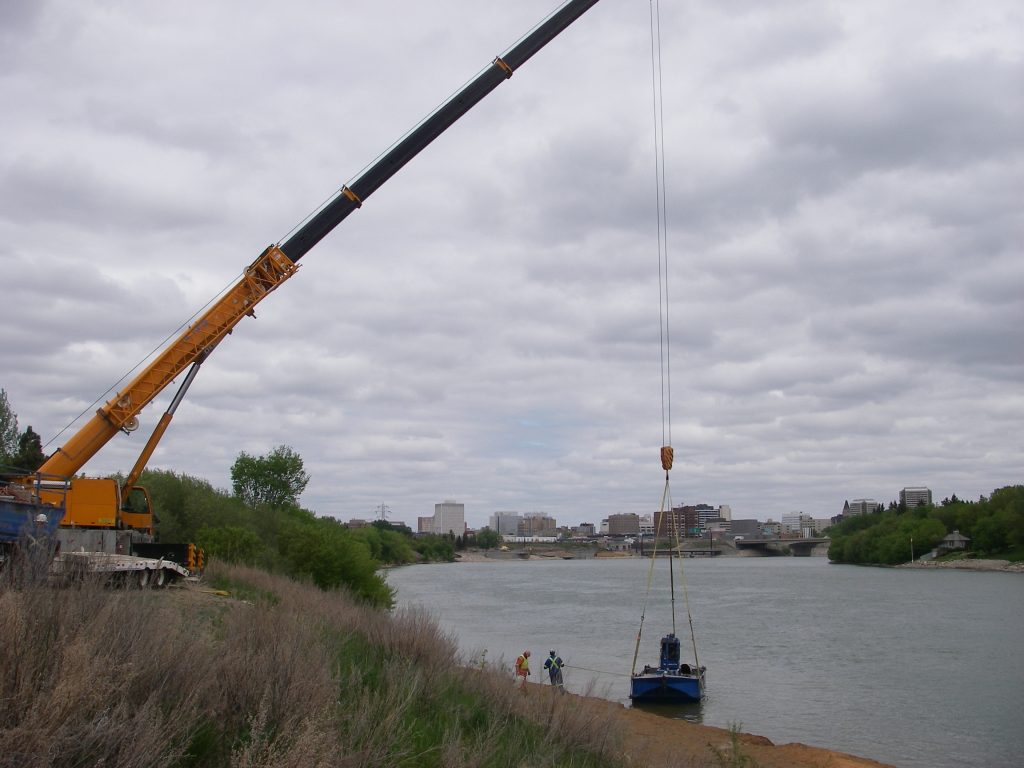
(501, 69)
(278, 262)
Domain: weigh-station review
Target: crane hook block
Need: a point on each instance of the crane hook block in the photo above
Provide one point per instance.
(666, 457)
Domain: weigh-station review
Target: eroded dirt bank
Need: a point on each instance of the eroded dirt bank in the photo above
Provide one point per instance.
(656, 741)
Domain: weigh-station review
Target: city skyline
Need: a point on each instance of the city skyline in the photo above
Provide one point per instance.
(858, 507)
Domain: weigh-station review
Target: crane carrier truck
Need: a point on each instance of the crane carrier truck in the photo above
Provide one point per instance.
(106, 524)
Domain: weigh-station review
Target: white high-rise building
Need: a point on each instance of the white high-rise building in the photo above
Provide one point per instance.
(450, 517)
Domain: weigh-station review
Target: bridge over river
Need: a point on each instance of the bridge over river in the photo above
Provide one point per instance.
(779, 546)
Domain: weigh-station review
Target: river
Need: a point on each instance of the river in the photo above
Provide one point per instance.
(913, 668)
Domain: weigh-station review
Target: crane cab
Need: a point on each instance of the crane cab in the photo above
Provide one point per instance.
(98, 502)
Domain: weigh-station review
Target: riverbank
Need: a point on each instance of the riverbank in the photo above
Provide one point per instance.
(650, 739)
(967, 564)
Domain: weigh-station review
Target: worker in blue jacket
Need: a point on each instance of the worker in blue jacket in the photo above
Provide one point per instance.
(553, 665)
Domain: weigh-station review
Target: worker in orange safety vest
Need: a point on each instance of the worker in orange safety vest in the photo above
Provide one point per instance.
(523, 668)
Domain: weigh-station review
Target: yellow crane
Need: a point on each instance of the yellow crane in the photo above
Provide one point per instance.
(103, 515)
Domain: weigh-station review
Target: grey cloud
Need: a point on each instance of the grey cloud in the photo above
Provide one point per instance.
(844, 244)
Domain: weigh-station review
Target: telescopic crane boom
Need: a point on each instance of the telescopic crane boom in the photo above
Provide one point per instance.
(279, 262)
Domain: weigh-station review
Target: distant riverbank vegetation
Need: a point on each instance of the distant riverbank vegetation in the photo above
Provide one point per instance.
(261, 524)
(995, 526)
(273, 674)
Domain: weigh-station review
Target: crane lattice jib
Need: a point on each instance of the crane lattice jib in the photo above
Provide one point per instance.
(258, 280)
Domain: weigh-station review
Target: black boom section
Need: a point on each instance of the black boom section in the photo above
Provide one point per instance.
(313, 231)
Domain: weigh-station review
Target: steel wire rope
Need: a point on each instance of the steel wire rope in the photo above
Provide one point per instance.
(597, 671)
(650, 579)
(657, 78)
(657, 90)
(658, 125)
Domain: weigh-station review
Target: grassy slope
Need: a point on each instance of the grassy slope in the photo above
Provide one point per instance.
(287, 675)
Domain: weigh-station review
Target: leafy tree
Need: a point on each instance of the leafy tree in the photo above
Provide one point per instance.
(385, 545)
(433, 547)
(30, 454)
(8, 430)
(332, 557)
(486, 538)
(384, 525)
(232, 544)
(185, 504)
(990, 533)
(277, 479)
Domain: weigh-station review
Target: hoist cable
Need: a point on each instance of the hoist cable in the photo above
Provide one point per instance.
(657, 91)
(658, 123)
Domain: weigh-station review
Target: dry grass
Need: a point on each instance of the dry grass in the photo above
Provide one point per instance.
(290, 676)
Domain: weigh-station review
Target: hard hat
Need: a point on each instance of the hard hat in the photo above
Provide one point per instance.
(41, 518)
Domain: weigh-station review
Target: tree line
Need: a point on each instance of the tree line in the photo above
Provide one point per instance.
(260, 523)
(995, 526)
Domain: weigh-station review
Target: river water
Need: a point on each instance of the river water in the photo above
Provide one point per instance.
(909, 667)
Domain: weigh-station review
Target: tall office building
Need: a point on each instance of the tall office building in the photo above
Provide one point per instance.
(450, 517)
(505, 523)
(915, 497)
(798, 522)
(705, 512)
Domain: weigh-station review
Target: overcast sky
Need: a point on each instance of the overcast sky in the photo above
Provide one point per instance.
(845, 247)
